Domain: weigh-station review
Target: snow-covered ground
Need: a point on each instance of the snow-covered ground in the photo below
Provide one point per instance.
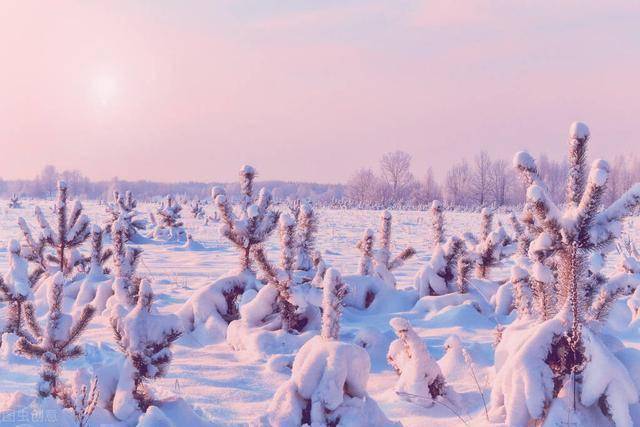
(235, 387)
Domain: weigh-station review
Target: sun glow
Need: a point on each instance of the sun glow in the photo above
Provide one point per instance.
(104, 88)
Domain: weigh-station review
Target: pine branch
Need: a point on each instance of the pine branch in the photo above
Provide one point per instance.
(32, 321)
(401, 258)
(81, 324)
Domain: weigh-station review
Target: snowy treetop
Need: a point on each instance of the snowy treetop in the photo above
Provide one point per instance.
(579, 131)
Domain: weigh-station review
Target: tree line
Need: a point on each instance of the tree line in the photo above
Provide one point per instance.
(43, 185)
(483, 181)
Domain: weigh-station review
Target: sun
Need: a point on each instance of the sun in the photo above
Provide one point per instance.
(104, 88)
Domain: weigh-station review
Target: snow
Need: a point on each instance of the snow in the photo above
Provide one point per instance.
(578, 130)
(420, 375)
(599, 172)
(210, 383)
(253, 211)
(535, 193)
(330, 379)
(17, 278)
(524, 160)
(247, 170)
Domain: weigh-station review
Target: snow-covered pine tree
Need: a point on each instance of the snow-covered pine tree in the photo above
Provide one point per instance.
(15, 290)
(384, 264)
(14, 202)
(170, 221)
(333, 292)
(420, 375)
(72, 229)
(282, 279)
(94, 263)
(124, 208)
(209, 311)
(125, 260)
(328, 384)
(486, 223)
(487, 255)
(523, 292)
(56, 341)
(365, 246)
(437, 223)
(464, 265)
(79, 398)
(145, 338)
(306, 229)
(256, 221)
(522, 233)
(321, 269)
(491, 245)
(197, 210)
(439, 275)
(96, 288)
(562, 364)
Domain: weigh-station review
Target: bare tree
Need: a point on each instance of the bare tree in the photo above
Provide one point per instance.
(457, 184)
(46, 181)
(499, 175)
(429, 189)
(395, 170)
(480, 177)
(362, 187)
(554, 174)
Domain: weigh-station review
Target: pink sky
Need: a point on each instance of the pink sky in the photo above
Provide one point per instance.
(305, 89)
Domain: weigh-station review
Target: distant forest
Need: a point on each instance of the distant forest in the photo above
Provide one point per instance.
(483, 181)
(44, 186)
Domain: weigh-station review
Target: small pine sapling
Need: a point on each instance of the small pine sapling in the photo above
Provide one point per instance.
(124, 209)
(56, 341)
(564, 354)
(170, 220)
(365, 246)
(523, 292)
(486, 223)
(125, 260)
(80, 399)
(419, 373)
(384, 264)
(320, 267)
(487, 251)
(145, 338)
(72, 229)
(14, 202)
(96, 287)
(437, 223)
(522, 232)
(438, 276)
(306, 229)
(255, 222)
(328, 379)
(95, 262)
(282, 279)
(197, 210)
(463, 272)
(333, 292)
(208, 313)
